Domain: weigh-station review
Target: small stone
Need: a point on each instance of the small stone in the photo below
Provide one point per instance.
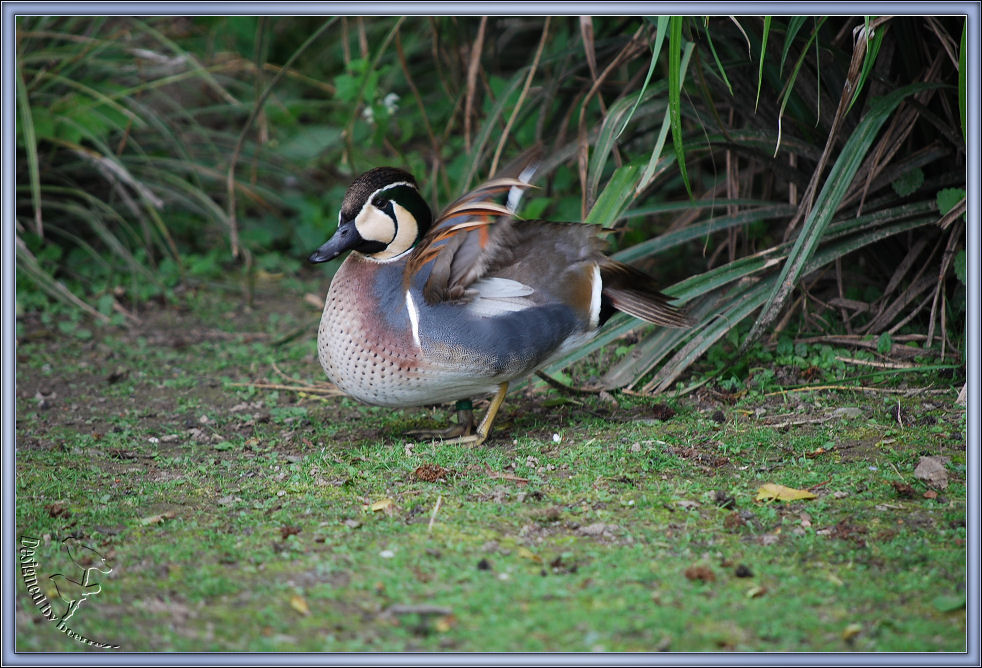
(932, 471)
(847, 412)
(597, 529)
(386, 554)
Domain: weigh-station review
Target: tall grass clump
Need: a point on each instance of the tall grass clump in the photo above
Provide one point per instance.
(782, 175)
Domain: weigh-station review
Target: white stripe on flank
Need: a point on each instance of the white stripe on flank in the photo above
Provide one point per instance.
(595, 298)
(413, 317)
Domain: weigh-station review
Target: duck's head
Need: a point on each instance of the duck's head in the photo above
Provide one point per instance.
(382, 216)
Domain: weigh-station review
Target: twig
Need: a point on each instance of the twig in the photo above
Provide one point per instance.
(329, 391)
(435, 146)
(521, 98)
(563, 387)
(793, 422)
(885, 390)
(230, 214)
(855, 340)
(472, 67)
(879, 365)
(422, 609)
(436, 509)
(290, 378)
(503, 476)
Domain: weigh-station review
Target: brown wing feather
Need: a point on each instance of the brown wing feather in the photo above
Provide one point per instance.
(634, 292)
(463, 241)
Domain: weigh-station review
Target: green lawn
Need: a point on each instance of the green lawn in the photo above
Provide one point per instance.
(243, 518)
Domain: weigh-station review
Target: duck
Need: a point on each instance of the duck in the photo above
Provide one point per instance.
(430, 310)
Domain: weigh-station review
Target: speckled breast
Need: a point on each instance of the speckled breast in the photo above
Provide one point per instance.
(370, 349)
(368, 355)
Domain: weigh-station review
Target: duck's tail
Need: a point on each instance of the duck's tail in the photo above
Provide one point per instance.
(634, 292)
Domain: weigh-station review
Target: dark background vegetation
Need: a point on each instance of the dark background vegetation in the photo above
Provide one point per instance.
(790, 176)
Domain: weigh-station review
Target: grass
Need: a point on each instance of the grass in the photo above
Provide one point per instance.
(242, 519)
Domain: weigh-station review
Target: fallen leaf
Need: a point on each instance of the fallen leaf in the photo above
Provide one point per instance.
(445, 623)
(930, 494)
(851, 631)
(298, 603)
(903, 490)
(526, 553)
(157, 519)
(756, 591)
(287, 531)
(931, 470)
(58, 509)
(701, 573)
(380, 505)
(772, 491)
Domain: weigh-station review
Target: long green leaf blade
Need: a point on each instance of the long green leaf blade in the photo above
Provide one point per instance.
(675, 95)
(827, 203)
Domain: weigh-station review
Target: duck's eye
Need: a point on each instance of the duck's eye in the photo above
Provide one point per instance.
(381, 203)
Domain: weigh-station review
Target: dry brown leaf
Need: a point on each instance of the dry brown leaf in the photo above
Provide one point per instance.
(298, 603)
(772, 491)
(445, 623)
(756, 591)
(702, 573)
(381, 504)
(157, 519)
(851, 631)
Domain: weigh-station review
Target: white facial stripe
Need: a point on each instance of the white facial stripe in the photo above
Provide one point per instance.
(391, 185)
(413, 317)
(368, 204)
(398, 235)
(405, 234)
(374, 224)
